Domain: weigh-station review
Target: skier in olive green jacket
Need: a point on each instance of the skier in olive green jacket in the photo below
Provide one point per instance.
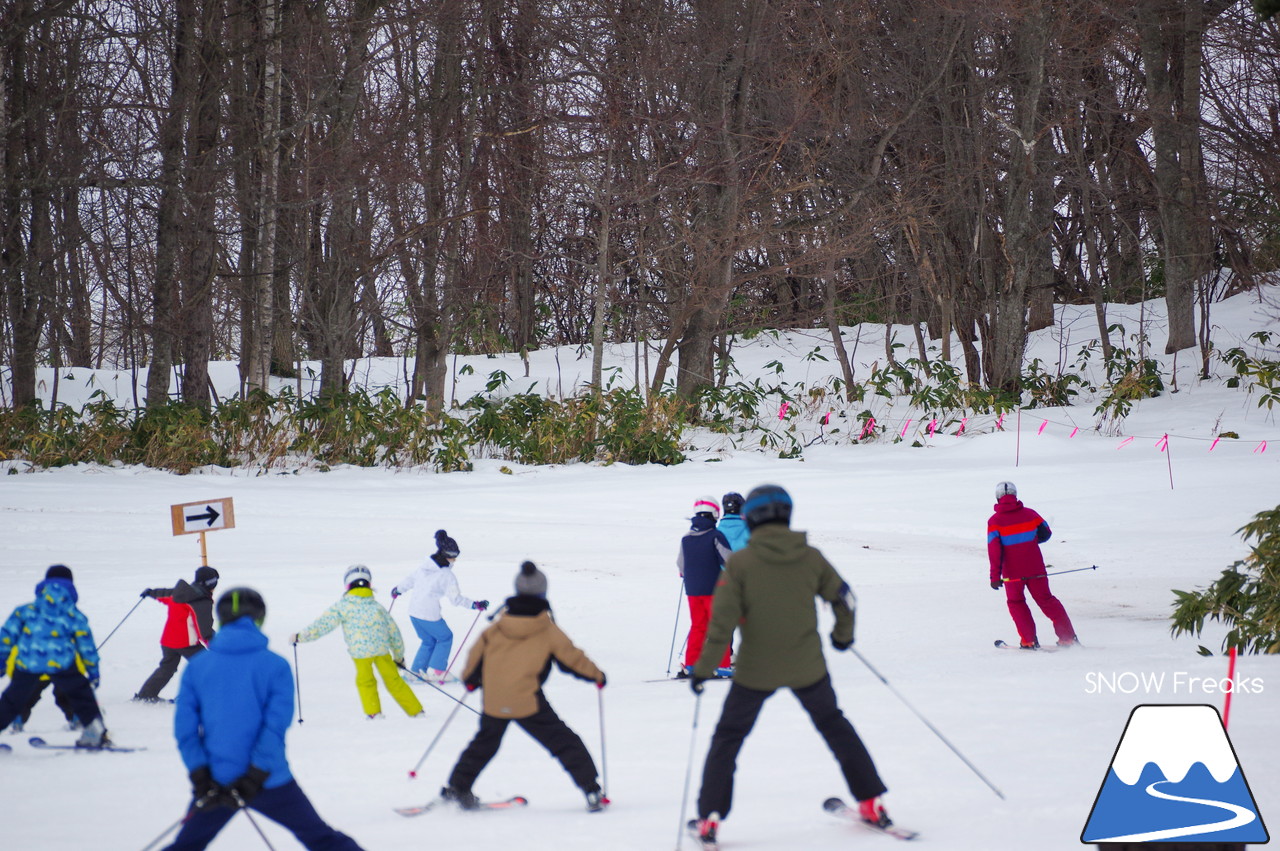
(767, 592)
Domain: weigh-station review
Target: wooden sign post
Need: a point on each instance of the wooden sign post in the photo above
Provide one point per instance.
(209, 515)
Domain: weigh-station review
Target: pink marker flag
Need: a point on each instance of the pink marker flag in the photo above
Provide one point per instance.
(1262, 447)
(1000, 421)
(782, 412)
(1074, 432)
(905, 426)
(1215, 443)
(933, 424)
(963, 421)
(871, 424)
(1163, 443)
(1125, 443)
(1042, 425)
(827, 419)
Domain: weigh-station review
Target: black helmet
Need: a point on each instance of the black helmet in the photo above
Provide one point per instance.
(206, 577)
(239, 603)
(767, 504)
(732, 502)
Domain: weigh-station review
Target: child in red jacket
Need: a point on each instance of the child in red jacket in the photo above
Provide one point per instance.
(187, 630)
(1014, 536)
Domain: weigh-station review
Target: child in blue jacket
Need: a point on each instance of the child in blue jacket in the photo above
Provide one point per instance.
(51, 637)
(234, 706)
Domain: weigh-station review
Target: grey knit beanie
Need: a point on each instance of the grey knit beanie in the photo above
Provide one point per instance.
(530, 581)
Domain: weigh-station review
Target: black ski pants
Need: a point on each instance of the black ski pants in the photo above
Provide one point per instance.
(547, 730)
(73, 686)
(58, 697)
(742, 708)
(285, 805)
(169, 659)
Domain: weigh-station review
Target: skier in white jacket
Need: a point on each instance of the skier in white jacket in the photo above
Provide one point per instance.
(431, 583)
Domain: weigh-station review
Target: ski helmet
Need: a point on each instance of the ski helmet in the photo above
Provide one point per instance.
(357, 576)
(732, 502)
(206, 577)
(707, 505)
(239, 603)
(767, 504)
(1006, 489)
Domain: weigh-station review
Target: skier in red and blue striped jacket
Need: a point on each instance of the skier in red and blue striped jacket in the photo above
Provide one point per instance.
(1014, 536)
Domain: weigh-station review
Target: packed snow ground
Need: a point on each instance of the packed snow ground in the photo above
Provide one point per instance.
(905, 526)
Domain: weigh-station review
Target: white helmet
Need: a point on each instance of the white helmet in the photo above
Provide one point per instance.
(1006, 489)
(707, 505)
(355, 573)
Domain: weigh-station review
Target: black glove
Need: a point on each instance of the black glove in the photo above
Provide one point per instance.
(147, 593)
(697, 683)
(996, 583)
(840, 645)
(480, 605)
(248, 785)
(202, 785)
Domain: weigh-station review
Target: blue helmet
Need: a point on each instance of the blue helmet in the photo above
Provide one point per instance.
(767, 504)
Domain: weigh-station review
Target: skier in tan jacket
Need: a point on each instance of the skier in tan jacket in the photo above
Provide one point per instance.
(510, 661)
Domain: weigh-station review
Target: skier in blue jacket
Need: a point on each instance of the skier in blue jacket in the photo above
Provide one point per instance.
(234, 706)
(50, 637)
(731, 525)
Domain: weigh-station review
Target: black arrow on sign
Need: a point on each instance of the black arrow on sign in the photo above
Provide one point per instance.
(209, 514)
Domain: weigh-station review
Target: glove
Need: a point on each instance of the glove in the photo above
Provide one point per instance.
(840, 645)
(996, 583)
(697, 683)
(400, 662)
(202, 785)
(94, 680)
(480, 605)
(248, 785)
(472, 686)
(395, 592)
(600, 682)
(293, 639)
(146, 593)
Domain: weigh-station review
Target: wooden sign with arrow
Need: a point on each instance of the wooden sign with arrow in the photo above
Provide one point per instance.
(210, 515)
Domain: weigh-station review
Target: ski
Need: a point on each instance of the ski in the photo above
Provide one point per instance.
(37, 742)
(840, 809)
(483, 806)
(6, 748)
(1003, 645)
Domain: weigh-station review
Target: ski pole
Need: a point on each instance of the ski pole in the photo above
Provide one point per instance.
(688, 772)
(253, 821)
(675, 627)
(1054, 573)
(297, 680)
(898, 695)
(402, 667)
(413, 772)
(604, 762)
(458, 652)
(168, 830)
(122, 620)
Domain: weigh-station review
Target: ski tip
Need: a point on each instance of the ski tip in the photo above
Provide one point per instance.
(832, 805)
(37, 742)
(5, 748)
(1000, 642)
(520, 801)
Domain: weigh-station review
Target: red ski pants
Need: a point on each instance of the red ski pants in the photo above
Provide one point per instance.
(700, 612)
(1015, 592)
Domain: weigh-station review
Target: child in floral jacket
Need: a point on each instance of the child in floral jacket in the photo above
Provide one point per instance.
(373, 640)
